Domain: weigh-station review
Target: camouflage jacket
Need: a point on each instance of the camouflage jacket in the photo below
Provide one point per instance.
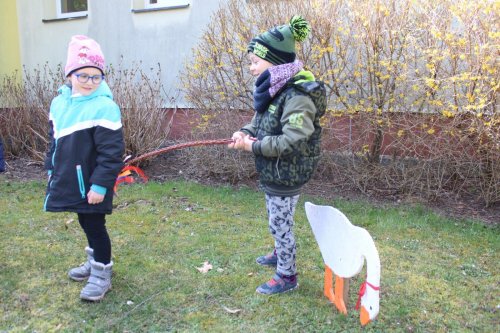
(288, 147)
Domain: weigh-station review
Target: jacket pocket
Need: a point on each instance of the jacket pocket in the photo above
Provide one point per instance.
(81, 183)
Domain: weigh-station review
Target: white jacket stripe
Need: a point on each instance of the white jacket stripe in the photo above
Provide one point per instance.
(112, 125)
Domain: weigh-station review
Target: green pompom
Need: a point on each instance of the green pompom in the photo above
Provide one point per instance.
(300, 28)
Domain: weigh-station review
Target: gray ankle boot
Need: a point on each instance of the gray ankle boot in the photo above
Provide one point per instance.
(82, 272)
(99, 282)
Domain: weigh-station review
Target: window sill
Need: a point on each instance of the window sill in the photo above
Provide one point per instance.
(60, 19)
(156, 9)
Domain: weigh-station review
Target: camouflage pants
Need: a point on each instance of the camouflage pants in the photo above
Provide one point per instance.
(280, 211)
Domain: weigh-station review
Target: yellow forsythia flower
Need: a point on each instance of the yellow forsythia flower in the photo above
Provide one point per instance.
(447, 114)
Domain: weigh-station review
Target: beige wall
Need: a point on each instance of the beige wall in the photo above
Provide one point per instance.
(164, 37)
(10, 56)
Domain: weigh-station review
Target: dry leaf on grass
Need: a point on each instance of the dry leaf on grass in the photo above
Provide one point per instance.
(231, 310)
(205, 268)
(68, 222)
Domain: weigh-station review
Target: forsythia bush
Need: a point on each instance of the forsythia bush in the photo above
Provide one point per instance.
(413, 86)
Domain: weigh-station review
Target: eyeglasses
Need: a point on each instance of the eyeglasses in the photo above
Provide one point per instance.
(84, 78)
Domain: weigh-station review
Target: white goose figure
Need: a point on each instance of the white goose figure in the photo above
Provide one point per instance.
(344, 248)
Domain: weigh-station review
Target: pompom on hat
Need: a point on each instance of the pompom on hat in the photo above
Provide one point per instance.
(83, 52)
(277, 45)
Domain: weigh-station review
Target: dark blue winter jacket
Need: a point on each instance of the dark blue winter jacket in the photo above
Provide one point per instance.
(86, 150)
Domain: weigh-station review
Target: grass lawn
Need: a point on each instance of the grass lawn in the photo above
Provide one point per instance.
(438, 274)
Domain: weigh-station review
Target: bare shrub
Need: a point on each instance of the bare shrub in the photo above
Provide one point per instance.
(24, 110)
(142, 98)
(218, 162)
(412, 88)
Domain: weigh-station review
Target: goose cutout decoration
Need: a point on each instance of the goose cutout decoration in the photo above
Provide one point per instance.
(344, 248)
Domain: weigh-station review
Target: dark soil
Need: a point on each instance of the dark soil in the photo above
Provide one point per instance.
(171, 166)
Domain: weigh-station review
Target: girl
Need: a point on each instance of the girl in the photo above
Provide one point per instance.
(85, 158)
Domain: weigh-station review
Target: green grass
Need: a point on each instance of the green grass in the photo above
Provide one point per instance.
(438, 274)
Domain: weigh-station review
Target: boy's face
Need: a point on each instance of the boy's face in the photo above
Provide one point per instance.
(258, 65)
(91, 75)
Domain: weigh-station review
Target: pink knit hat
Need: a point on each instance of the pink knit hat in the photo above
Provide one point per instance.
(83, 52)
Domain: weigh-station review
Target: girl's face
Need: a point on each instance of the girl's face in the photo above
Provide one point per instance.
(86, 80)
(258, 65)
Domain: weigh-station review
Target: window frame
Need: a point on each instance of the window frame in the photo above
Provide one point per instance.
(61, 15)
(165, 3)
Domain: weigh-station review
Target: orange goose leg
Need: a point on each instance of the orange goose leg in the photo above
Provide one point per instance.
(339, 297)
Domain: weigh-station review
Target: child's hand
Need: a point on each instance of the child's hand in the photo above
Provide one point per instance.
(236, 137)
(94, 198)
(244, 143)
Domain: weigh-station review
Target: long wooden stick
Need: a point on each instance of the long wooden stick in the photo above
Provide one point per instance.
(178, 146)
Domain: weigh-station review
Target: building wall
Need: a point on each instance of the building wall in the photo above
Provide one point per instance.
(10, 58)
(132, 39)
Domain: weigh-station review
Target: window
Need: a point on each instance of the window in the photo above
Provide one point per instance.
(145, 6)
(71, 8)
(165, 3)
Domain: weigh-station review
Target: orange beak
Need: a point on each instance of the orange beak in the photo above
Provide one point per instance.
(364, 316)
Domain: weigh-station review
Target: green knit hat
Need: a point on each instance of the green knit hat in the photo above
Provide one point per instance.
(277, 45)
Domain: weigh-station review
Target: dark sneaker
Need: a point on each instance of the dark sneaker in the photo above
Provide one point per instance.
(270, 259)
(278, 285)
